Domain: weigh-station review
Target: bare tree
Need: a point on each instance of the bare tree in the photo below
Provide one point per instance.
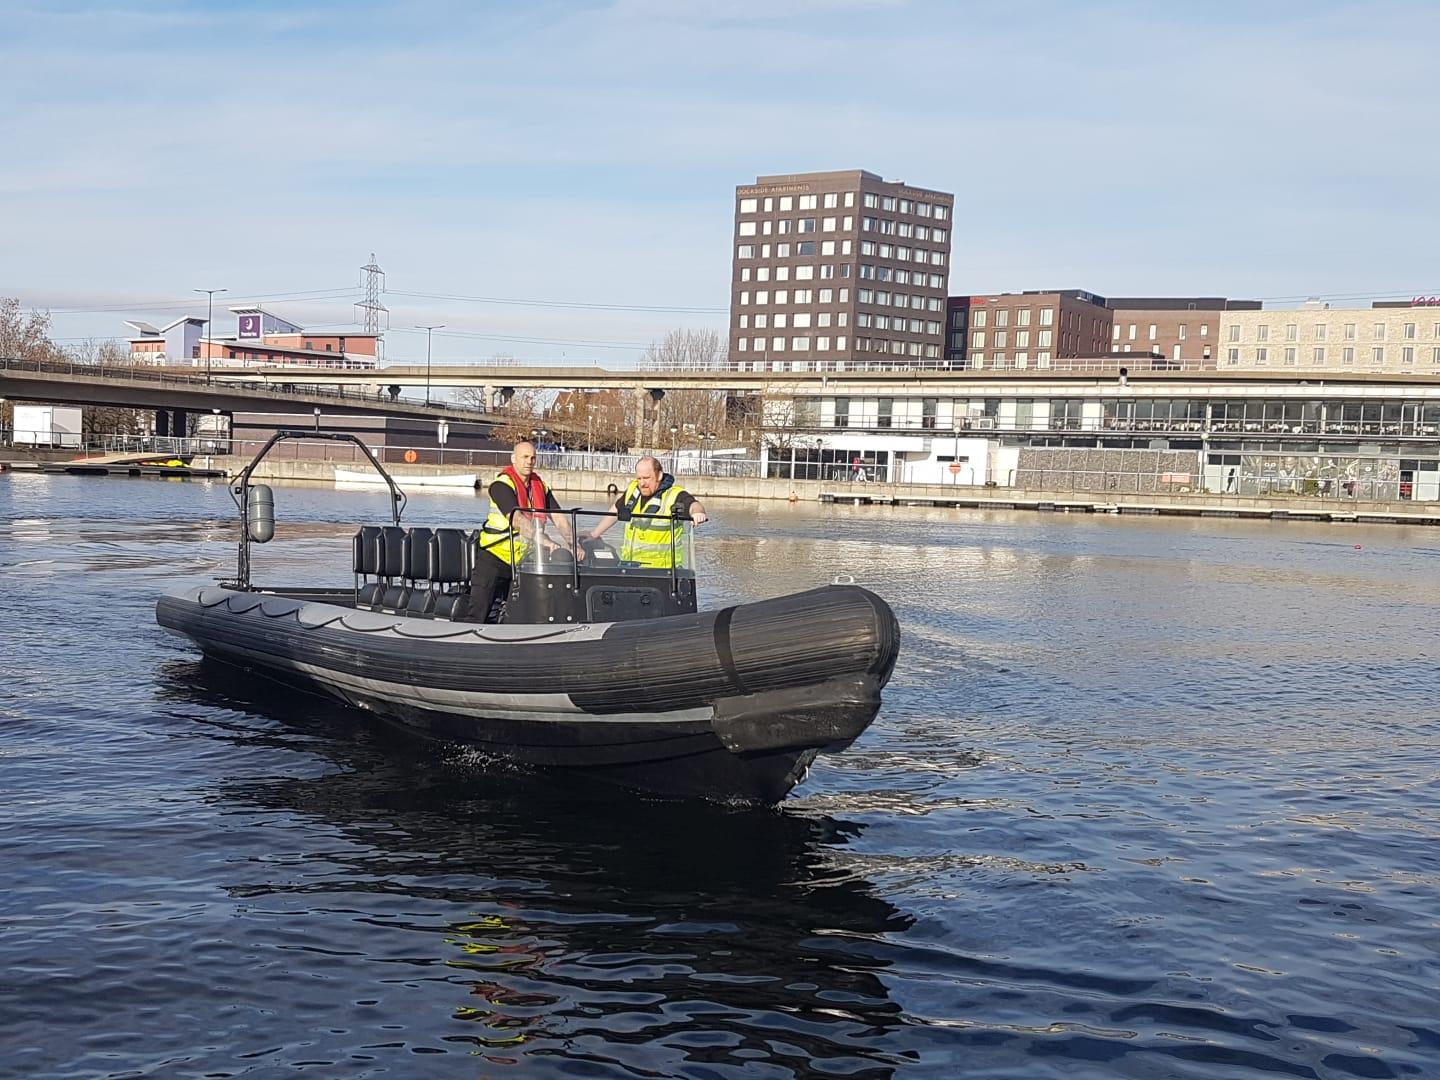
(681, 350)
(25, 337)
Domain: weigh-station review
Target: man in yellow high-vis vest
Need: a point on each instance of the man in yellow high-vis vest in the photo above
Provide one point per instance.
(654, 495)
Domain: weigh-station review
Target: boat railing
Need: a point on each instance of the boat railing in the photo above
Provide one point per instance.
(592, 543)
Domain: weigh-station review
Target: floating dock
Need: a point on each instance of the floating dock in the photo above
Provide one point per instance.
(101, 468)
(1172, 508)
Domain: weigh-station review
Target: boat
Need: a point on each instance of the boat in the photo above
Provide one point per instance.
(592, 665)
(465, 481)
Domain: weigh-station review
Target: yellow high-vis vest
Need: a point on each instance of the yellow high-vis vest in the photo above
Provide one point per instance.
(496, 535)
(653, 542)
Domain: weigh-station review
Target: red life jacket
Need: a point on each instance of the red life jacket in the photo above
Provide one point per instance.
(529, 496)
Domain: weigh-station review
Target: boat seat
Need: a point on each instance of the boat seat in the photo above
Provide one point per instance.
(451, 552)
(365, 557)
(392, 566)
(419, 599)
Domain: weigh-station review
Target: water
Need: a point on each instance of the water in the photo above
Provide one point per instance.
(1146, 798)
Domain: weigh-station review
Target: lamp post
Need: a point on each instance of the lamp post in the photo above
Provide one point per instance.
(209, 329)
(317, 419)
(214, 430)
(955, 460)
(674, 454)
(428, 330)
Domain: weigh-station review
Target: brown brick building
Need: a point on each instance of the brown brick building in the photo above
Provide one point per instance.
(1178, 328)
(1026, 329)
(839, 266)
(1037, 328)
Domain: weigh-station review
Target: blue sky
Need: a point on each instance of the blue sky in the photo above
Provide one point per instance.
(588, 152)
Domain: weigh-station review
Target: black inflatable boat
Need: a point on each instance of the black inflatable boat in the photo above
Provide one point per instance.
(595, 664)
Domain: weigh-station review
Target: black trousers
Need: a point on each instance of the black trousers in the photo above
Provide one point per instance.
(487, 578)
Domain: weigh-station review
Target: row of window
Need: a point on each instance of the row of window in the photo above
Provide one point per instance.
(832, 200)
(825, 272)
(799, 248)
(1255, 416)
(1349, 331)
(1319, 355)
(999, 339)
(900, 253)
(800, 320)
(888, 227)
(785, 226)
(880, 297)
(896, 348)
(980, 317)
(797, 344)
(896, 322)
(884, 298)
(1184, 331)
(800, 296)
(1021, 358)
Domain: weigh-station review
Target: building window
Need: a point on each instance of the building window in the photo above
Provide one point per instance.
(1318, 356)
(1204, 330)
(1409, 331)
(1319, 331)
(1379, 332)
(872, 201)
(805, 247)
(1292, 332)
(1349, 331)
(849, 201)
(1435, 355)
(1043, 338)
(743, 344)
(832, 200)
(1290, 354)
(807, 202)
(1153, 335)
(1232, 356)
(800, 344)
(777, 344)
(1347, 355)
(779, 323)
(1182, 331)
(1232, 332)
(746, 251)
(1262, 356)
(1407, 355)
(827, 224)
(977, 339)
(1132, 331)
(805, 225)
(1000, 336)
(786, 203)
(1377, 354)
(822, 344)
(757, 344)
(1262, 332)
(769, 205)
(762, 321)
(747, 228)
(744, 322)
(749, 206)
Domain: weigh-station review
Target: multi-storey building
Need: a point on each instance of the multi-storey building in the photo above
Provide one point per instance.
(839, 267)
(261, 338)
(1026, 329)
(1390, 336)
(1177, 328)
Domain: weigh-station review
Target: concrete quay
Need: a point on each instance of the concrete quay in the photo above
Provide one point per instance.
(882, 494)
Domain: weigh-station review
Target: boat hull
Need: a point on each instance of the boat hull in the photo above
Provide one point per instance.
(732, 704)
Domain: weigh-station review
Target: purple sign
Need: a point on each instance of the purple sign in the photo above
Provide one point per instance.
(249, 326)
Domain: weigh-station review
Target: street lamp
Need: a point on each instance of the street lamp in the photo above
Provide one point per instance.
(428, 330)
(317, 419)
(674, 454)
(209, 319)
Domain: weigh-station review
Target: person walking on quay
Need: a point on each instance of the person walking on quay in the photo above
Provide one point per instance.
(654, 495)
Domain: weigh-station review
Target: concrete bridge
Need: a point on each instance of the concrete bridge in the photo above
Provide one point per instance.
(183, 391)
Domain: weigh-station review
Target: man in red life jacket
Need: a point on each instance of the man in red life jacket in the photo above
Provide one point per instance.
(504, 538)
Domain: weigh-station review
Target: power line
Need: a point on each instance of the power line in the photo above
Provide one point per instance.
(576, 304)
(300, 297)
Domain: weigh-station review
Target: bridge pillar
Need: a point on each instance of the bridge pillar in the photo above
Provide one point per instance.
(180, 423)
(162, 422)
(487, 398)
(655, 440)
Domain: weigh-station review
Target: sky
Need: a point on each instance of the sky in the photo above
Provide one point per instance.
(581, 157)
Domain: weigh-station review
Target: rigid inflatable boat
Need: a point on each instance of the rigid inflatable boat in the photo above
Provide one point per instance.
(592, 664)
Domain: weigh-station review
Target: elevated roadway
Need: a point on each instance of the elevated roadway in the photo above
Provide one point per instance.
(148, 387)
(499, 379)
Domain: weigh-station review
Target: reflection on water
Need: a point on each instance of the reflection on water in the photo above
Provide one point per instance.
(1145, 798)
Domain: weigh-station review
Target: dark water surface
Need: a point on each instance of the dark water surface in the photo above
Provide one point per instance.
(1146, 798)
